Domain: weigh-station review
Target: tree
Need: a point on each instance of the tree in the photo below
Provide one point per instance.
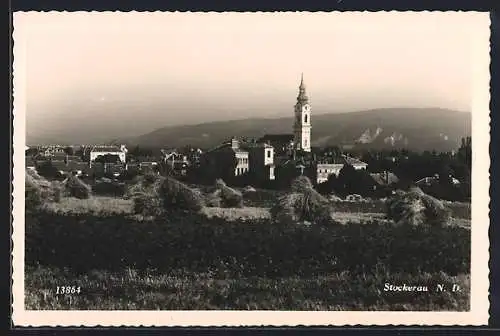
(465, 151)
(346, 179)
(48, 170)
(329, 186)
(69, 150)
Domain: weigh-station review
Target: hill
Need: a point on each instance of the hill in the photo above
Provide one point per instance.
(412, 128)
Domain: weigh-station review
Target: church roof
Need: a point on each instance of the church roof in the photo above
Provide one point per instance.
(277, 138)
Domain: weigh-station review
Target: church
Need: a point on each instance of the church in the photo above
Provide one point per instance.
(300, 139)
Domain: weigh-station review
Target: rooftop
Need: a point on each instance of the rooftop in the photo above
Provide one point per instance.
(112, 149)
(276, 137)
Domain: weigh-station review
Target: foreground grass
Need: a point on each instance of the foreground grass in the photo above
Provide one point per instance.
(249, 213)
(129, 290)
(105, 206)
(95, 205)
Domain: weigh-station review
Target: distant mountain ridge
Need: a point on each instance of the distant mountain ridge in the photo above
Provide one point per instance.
(413, 128)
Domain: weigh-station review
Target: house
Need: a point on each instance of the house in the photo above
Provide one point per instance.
(52, 150)
(430, 180)
(172, 156)
(325, 170)
(333, 165)
(356, 163)
(220, 160)
(98, 151)
(261, 161)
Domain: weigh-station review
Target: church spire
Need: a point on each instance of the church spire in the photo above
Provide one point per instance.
(302, 97)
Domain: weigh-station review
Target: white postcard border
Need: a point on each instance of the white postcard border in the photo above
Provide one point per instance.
(478, 315)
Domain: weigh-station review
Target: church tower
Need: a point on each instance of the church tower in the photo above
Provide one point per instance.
(302, 124)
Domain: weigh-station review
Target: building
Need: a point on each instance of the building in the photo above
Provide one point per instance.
(283, 144)
(300, 139)
(302, 124)
(325, 169)
(98, 151)
(261, 161)
(431, 180)
(333, 165)
(52, 150)
(227, 160)
(173, 157)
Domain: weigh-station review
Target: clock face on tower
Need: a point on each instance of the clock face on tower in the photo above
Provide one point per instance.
(306, 108)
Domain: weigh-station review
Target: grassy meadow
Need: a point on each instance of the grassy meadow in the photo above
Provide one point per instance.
(232, 254)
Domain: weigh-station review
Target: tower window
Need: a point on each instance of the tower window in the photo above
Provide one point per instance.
(305, 118)
(268, 153)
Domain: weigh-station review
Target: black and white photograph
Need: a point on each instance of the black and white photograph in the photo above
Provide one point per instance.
(285, 168)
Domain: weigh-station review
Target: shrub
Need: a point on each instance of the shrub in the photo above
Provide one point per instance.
(229, 197)
(74, 187)
(416, 208)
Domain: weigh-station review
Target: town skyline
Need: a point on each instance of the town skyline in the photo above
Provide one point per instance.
(191, 67)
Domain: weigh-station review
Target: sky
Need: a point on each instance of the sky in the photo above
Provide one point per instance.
(176, 68)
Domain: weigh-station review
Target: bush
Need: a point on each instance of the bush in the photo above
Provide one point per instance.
(416, 208)
(74, 187)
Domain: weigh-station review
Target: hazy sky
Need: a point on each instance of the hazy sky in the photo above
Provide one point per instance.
(182, 67)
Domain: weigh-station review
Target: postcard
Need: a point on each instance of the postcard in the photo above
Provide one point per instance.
(250, 169)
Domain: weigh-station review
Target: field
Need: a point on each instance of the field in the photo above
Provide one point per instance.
(234, 258)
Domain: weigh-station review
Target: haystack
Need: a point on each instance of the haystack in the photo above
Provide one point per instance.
(144, 184)
(303, 204)
(226, 196)
(177, 195)
(39, 190)
(301, 184)
(214, 199)
(249, 189)
(72, 186)
(414, 207)
(153, 194)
